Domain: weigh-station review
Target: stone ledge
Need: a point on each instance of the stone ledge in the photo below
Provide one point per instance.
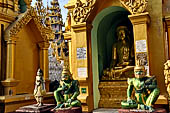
(33, 109)
(161, 100)
(69, 110)
(141, 111)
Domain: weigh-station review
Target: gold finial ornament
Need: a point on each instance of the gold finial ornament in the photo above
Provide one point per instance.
(139, 65)
(66, 71)
(41, 10)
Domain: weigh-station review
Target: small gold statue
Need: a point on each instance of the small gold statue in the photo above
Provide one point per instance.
(39, 90)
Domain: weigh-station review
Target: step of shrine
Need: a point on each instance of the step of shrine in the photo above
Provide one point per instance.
(112, 93)
(105, 110)
(158, 110)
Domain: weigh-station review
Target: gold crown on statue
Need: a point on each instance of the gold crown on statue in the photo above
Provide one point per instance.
(120, 28)
(139, 65)
(66, 71)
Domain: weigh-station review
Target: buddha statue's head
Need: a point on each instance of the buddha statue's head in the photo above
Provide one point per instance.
(122, 32)
(66, 75)
(139, 70)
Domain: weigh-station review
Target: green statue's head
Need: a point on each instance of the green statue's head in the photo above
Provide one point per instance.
(139, 70)
(66, 75)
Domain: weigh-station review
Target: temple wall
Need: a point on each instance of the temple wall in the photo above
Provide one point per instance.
(27, 59)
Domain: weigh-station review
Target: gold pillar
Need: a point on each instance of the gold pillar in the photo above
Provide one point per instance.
(10, 83)
(69, 46)
(167, 20)
(140, 29)
(80, 64)
(44, 62)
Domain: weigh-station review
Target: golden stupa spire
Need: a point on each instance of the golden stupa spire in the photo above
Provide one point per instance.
(56, 17)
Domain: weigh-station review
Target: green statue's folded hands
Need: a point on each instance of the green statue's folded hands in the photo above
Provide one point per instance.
(66, 94)
(146, 91)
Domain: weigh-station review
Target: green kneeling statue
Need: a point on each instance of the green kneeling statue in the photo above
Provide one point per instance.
(66, 94)
(146, 91)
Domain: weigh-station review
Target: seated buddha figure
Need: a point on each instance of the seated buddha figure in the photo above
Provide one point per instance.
(122, 50)
(122, 55)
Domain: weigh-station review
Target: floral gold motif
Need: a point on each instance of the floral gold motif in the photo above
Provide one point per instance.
(82, 10)
(135, 6)
(167, 75)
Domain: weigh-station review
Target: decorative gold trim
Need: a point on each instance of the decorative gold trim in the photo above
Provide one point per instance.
(135, 6)
(82, 10)
(167, 75)
(23, 19)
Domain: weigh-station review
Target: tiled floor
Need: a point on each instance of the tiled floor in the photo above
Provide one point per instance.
(105, 110)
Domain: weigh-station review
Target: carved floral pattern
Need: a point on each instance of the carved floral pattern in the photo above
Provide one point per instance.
(167, 75)
(82, 10)
(135, 6)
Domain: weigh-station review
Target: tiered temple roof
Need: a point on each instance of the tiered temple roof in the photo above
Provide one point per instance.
(56, 17)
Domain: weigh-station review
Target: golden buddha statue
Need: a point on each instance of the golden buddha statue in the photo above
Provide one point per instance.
(122, 55)
(122, 51)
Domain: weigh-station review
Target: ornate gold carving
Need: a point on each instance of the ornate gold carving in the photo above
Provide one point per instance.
(167, 75)
(15, 5)
(8, 6)
(135, 6)
(82, 10)
(41, 10)
(28, 2)
(46, 32)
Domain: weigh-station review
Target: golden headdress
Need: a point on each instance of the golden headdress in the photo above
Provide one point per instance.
(121, 27)
(66, 71)
(139, 65)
